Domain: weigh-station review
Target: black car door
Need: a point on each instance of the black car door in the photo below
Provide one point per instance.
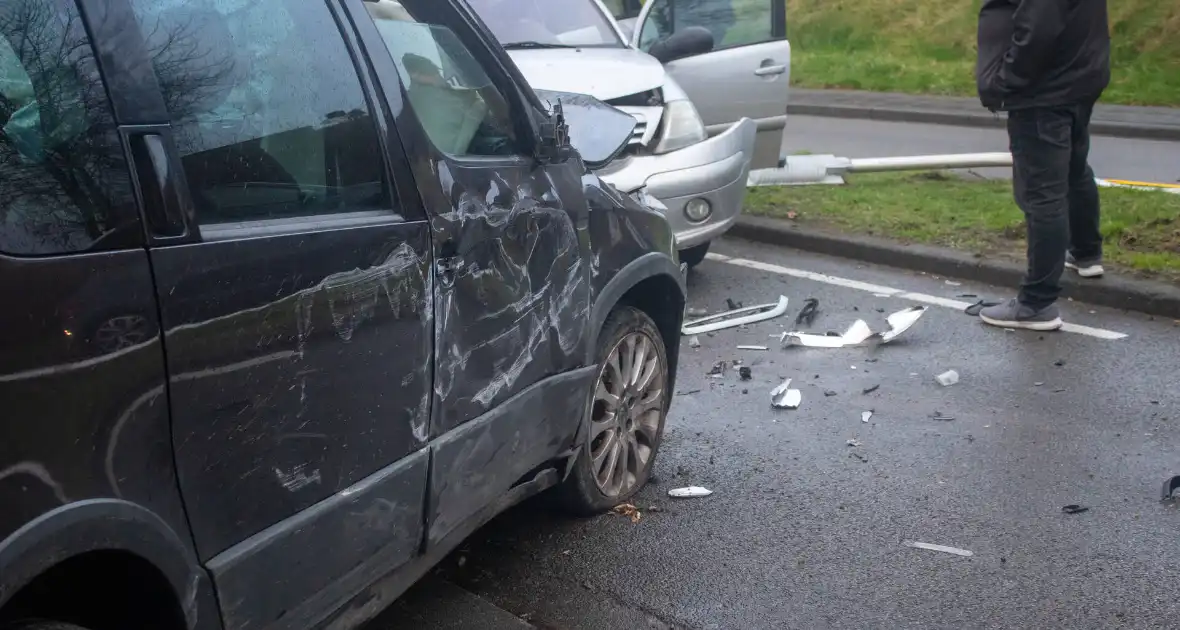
(511, 246)
(295, 293)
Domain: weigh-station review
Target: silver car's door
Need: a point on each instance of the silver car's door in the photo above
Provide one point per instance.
(748, 72)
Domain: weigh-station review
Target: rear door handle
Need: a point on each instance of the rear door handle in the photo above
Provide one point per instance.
(766, 71)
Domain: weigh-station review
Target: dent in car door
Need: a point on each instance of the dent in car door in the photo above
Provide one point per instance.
(748, 73)
(509, 242)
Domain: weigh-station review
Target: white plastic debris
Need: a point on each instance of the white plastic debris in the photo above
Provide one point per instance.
(735, 318)
(691, 492)
(865, 415)
(947, 378)
(752, 348)
(853, 443)
(694, 342)
(783, 397)
(943, 548)
(859, 332)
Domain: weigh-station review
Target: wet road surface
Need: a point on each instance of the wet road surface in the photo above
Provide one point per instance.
(805, 531)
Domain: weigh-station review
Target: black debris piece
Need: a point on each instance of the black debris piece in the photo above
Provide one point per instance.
(941, 417)
(1074, 508)
(879, 309)
(869, 390)
(862, 458)
(744, 372)
(689, 392)
(968, 295)
(1170, 486)
(1059, 362)
(870, 360)
(733, 306)
(829, 393)
(808, 312)
(974, 309)
(856, 309)
(745, 391)
(718, 368)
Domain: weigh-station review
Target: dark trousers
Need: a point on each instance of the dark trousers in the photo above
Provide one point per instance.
(1054, 186)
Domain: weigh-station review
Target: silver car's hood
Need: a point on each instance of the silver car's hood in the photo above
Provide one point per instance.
(603, 73)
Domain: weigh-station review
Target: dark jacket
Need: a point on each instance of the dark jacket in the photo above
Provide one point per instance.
(1042, 53)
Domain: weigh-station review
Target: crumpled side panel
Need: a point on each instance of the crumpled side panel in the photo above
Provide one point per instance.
(513, 294)
(621, 230)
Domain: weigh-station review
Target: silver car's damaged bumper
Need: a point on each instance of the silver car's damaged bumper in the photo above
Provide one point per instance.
(714, 170)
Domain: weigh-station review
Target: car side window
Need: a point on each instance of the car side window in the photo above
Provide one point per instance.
(64, 182)
(733, 23)
(268, 113)
(451, 94)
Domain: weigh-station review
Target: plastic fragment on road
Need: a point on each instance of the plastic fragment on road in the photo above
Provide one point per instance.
(735, 318)
(865, 415)
(943, 548)
(858, 333)
(869, 390)
(744, 373)
(628, 510)
(783, 397)
(694, 342)
(718, 369)
(1170, 486)
(752, 348)
(853, 443)
(947, 378)
(1074, 508)
(690, 492)
(806, 316)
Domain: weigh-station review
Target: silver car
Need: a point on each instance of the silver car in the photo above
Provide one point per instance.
(707, 81)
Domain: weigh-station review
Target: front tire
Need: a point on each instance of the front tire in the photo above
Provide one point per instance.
(626, 415)
(695, 255)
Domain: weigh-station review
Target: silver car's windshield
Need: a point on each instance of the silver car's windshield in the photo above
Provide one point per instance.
(547, 23)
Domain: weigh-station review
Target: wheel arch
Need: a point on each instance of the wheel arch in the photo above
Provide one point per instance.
(68, 542)
(653, 284)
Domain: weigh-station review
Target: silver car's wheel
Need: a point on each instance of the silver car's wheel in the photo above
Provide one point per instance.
(627, 412)
(624, 421)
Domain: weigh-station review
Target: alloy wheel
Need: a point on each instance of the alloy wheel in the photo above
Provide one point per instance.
(625, 417)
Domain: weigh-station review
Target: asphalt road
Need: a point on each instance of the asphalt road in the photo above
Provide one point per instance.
(1112, 158)
(805, 531)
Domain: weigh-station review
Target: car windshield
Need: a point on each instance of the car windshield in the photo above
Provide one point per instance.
(547, 23)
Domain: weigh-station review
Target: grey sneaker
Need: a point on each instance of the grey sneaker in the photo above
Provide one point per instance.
(1088, 268)
(1013, 314)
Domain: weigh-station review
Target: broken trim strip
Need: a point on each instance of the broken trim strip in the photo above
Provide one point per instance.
(711, 323)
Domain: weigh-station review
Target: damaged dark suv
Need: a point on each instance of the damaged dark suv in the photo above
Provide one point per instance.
(298, 294)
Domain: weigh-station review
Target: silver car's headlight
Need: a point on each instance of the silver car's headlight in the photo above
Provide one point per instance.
(681, 127)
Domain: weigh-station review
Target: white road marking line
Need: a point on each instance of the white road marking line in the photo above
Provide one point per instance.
(884, 291)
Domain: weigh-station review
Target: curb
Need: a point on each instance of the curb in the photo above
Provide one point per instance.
(1151, 297)
(964, 119)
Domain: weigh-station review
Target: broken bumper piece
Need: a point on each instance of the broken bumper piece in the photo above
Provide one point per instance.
(735, 318)
(859, 334)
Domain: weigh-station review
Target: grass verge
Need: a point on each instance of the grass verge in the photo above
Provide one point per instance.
(928, 47)
(1142, 228)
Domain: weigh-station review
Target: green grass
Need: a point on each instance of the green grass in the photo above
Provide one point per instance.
(928, 47)
(1142, 228)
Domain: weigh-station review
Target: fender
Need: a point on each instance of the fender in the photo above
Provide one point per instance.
(646, 266)
(108, 525)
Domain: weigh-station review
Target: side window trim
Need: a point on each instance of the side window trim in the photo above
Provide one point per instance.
(373, 128)
(469, 33)
(394, 161)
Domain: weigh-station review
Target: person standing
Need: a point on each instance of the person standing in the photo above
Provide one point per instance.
(1046, 62)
